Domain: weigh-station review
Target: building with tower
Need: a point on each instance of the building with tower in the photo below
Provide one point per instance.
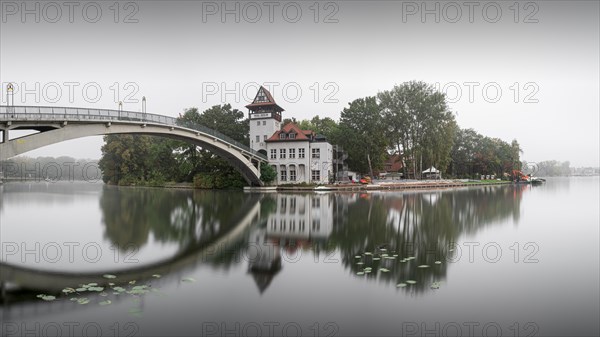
(298, 156)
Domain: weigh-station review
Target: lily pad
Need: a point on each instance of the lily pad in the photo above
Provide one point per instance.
(156, 276)
(103, 294)
(79, 290)
(368, 253)
(132, 282)
(438, 262)
(98, 289)
(103, 303)
(109, 276)
(423, 266)
(360, 263)
(119, 289)
(411, 282)
(188, 279)
(376, 259)
(400, 285)
(360, 273)
(357, 257)
(83, 300)
(435, 285)
(384, 270)
(92, 284)
(68, 290)
(48, 298)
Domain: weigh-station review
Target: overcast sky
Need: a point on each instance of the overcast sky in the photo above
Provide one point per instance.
(528, 72)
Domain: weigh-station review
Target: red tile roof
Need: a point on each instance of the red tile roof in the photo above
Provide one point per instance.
(291, 128)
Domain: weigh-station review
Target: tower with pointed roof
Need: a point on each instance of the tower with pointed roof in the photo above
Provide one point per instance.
(265, 119)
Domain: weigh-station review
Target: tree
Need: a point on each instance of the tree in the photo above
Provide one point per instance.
(267, 173)
(362, 134)
(135, 159)
(420, 126)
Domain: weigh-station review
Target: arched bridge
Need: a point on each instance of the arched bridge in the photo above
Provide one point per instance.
(57, 124)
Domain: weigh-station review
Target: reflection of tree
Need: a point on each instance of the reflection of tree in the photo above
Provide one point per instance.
(424, 225)
(188, 218)
(420, 224)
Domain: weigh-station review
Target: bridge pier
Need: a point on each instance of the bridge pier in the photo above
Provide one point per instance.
(4, 138)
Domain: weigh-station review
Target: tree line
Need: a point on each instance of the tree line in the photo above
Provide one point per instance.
(412, 119)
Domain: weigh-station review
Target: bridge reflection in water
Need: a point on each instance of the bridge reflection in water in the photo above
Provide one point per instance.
(218, 228)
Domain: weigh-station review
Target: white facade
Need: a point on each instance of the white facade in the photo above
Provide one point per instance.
(262, 126)
(301, 161)
(297, 155)
(308, 216)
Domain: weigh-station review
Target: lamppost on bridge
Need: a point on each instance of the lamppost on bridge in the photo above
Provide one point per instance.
(144, 106)
(120, 108)
(10, 99)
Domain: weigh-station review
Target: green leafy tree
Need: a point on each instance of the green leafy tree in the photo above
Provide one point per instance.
(267, 173)
(362, 134)
(419, 125)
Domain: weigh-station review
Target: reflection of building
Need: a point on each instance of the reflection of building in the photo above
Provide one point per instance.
(298, 156)
(301, 218)
(265, 259)
(298, 221)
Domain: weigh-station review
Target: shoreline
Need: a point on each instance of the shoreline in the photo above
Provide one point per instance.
(373, 187)
(326, 188)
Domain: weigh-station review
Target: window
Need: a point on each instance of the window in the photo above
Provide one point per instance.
(316, 153)
(258, 123)
(264, 137)
(301, 153)
(282, 135)
(316, 224)
(292, 136)
(257, 139)
(281, 153)
(283, 204)
(293, 176)
(283, 174)
(264, 122)
(316, 175)
(292, 153)
(273, 154)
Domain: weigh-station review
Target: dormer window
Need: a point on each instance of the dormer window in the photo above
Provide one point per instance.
(282, 135)
(292, 136)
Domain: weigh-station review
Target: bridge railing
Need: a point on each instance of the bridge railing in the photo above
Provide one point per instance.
(45, 113)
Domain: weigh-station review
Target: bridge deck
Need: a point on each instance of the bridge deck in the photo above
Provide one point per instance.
(61, 114)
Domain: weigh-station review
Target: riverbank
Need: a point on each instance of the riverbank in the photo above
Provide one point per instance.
(382, 186)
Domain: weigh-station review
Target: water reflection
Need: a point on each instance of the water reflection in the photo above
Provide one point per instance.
(379, 230)
(186, 218)
(369, 230)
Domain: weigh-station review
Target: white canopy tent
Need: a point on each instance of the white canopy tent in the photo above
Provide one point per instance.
(432, 172)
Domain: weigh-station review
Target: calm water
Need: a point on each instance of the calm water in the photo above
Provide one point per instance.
(511, 261)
